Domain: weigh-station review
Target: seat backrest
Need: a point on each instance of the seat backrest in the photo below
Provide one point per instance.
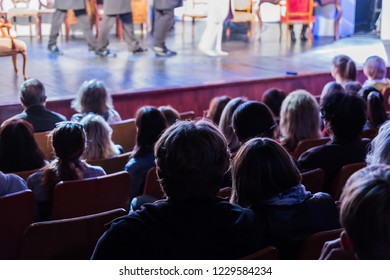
(299, 7)
(243, 5)
(112, 164)
(152, 185)
(386, 96)
(267, 253)
(17, 211)
(312, 247)
(307, 144)
(21, 3)
(189, 115)
(24, 174)
(124, 133)
(313, 180)
(140, 11)
(67, 239)
(43, 141)
(369, 133)
(344, 174)
(92, 195)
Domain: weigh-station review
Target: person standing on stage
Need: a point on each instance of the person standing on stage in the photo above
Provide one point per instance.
(211, 41)
(79, 8)
(163, 21)
(112, 9)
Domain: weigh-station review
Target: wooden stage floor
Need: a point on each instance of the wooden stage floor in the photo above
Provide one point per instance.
(128, 74)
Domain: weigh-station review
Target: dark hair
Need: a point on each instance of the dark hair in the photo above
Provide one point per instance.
(261, 169)
(329, 89)
(170, 114)
(253, 119)
(345, 114)
(376, 113)
(150, 124)
(273, 98)
(32, 92)
(346, 67)
(18, 149)
(216, 107)
(192, 159)
(352, 88)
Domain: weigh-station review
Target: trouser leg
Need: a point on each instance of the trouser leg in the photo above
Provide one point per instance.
(57, 19)
(106, 25)
(218, 46)
(85, 26)
(128, 32)
(209, 36)
(163, 21)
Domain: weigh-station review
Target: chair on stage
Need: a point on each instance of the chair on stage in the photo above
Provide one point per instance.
(267, 253)
(307, 144)
(257, 11)
(67, 239)
(140, 11)
(17, 211)
(12, 47)
(90, 196)
(112, 164)
(44, 142)
(338, 14)
(22, 9)
(194, 9)
(124, 133)
(3, 13)
(312, 247)
(313, 180)
(152, 186)
(242, 13)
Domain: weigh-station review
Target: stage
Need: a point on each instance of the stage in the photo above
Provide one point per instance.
(189, 80)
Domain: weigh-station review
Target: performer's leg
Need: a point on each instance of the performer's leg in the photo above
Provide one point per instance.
(209, 37)
(292, 33)
(85, 26)
(163, 21)
(219, 40)
(57, 19)
(303, 32)
(105, 26)
(128, 32)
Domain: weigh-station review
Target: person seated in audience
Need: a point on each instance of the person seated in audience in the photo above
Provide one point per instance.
(68, 140)
(375, 70)
(150, 124)
(93, 98)
(352, 88)
(364, 215)
(376, 112)
(273, 98)
(344, 118)
(99, 143)
(226, 126)
(192, 223)
(329, 89)
(33, 100)
(18, 149)
(379, 151)
(266, 180)
(216, 107)
(11, 183)
(170, 114)
(253, 119)
(343, 69)
(299, 119)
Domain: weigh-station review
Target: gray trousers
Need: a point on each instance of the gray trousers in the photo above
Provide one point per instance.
(163, 22)
(83, 20)
(128, 33)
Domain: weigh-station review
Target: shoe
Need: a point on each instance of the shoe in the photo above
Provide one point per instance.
(164, 52)
(140, 50)
(106, 53)
(55, 50)
(208, 52)
(293, 38)
(303, 37)
(221, 53)
(91, 49)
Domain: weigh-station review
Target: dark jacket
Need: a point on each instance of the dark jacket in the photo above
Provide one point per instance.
(182, 230)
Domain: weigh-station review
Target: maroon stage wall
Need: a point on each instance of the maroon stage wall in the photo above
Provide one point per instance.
(194, 98)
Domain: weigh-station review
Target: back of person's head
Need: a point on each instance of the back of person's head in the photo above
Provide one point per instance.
(273, 98)
(225, 123)
(379, 152)
(192, 159)
(299, 118)
(216, 107)
(32, 92)
(329, 89)
(344, 115)
(150, 124)
(170, 114)
(344, 67)
(365, 213)
(376, 112)
(261, 169)
(18, 148)
(253, 119)
(375, 68)
(98, 132)
(352, 88)
(92, 98)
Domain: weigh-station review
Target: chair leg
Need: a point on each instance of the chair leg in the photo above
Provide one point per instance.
(15, 62)
(24, 55)
(227, 30)
(16, 31)
(30, 25)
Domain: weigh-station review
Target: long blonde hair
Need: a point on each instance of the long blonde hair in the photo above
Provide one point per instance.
(299, 118)
(99, 143)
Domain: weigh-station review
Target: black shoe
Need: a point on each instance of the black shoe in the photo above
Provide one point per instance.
(303, 37)
(106, 53)
(91, 49)
(164, 52)
(293, 38)
(140, 50)
(55, 50)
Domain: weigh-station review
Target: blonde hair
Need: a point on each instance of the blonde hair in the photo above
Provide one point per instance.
(99, 143)
(299, 118)
(375, 68)
(379, 152)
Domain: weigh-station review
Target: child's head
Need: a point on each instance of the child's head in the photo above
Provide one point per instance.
(365, 213)
(375, 68)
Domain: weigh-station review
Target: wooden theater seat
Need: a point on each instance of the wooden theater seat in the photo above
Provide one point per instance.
(17, 211)
(307, 144)
(112, 164)
(124, 133)
(312, 247)
(152, 185)
(67, 239)
(267, 253)
(93, 195)
(43, 141)
(188, 115)
(313, 180)
(25, 174)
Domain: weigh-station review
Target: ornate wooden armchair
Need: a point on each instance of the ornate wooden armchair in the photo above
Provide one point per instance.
(12, 47)
(22, 9)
